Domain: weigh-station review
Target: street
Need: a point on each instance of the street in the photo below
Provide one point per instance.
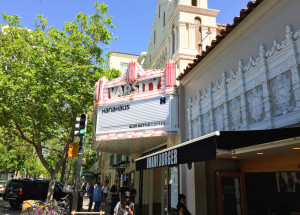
(6, 210)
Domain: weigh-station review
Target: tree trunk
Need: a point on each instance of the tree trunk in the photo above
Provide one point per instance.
(16, 174)
(6, 174)
(63, 170)
(51, 186)
(69, 172)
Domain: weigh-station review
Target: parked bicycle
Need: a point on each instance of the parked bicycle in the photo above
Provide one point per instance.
(62, 207)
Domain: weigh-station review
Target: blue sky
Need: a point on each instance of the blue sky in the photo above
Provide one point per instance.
(133, 18)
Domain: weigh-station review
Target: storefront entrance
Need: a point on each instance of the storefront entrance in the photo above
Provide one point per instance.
(231, 193)
(273, 193)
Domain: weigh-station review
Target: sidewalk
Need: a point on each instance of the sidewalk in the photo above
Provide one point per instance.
(85, 206)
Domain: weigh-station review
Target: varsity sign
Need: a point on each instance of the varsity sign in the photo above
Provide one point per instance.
(131, 106)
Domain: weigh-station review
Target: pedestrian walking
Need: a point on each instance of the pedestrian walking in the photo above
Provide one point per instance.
(105, 192)
(80, 199)
(123, 189)
(114, 195)
(106, 180)
(97, 194)
(181, 207)
(125, 206)
(90, 195)
(84, 186)
(132, 191)
(87, 187)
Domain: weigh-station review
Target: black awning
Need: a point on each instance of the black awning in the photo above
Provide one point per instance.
(205, 147)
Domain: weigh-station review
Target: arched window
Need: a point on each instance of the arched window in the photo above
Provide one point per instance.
(194, 2)
(198, 35)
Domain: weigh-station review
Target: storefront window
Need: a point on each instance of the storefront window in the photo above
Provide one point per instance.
(172, 189)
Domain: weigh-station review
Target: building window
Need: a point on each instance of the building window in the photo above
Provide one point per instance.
(172, 188)
(164, 19)
(173, 40)
(154, 37)
(123, 67)
(159, 11)
(198, 36)
(111, 160)
(194, 2)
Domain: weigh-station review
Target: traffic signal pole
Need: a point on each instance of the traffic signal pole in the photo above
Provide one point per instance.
(82, 120)
(77, 176)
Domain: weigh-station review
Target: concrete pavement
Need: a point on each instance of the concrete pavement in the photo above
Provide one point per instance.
(6, 210)
(85, 206)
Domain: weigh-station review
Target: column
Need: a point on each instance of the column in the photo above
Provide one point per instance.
(181, 40)
(192, 34)
(200, 113)
(211, 112)
(294, 66)
(189, 118)
(225, 94)
(266, 88)
(244, 109)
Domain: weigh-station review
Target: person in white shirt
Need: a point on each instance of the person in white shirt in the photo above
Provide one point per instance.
(105, 193)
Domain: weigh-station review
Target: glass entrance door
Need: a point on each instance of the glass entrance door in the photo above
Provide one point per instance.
(231, 193)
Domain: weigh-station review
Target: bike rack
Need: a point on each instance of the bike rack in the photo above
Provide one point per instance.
(99, 213)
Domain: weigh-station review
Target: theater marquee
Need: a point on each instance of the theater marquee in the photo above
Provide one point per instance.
(139, 104)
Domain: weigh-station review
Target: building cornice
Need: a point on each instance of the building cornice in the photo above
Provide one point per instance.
(190, 9)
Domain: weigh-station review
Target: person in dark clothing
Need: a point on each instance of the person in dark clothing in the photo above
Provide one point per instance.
(125, 206)
(84, 187)
(106, 180)
(123, 189)
(80, 200)
(181, 208)
(132, 192)
(90, 195)
(114, 195)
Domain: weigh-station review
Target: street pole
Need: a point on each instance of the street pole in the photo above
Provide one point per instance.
(77, 176)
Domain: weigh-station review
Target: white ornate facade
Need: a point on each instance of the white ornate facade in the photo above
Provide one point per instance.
(263, 93)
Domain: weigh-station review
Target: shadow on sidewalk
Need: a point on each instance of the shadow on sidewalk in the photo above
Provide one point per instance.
(85, 206)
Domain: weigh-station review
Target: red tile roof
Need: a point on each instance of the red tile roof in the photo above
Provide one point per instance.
(236, 21)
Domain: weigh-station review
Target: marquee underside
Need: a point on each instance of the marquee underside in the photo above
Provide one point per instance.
(130, 145)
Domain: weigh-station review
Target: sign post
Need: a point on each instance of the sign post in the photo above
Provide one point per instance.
(77, 176)
(81, 131)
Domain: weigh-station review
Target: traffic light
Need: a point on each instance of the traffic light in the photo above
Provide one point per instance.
(80, 127)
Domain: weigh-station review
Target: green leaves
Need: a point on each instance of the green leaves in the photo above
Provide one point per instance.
(47, 76)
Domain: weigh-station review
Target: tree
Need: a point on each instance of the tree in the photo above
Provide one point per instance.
(16, 155)
(47, 78)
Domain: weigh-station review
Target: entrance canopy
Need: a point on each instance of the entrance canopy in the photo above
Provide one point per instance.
(224, 142)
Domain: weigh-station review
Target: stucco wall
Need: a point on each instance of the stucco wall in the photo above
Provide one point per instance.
(264, 25)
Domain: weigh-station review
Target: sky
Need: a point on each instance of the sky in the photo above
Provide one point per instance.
(133, 18)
